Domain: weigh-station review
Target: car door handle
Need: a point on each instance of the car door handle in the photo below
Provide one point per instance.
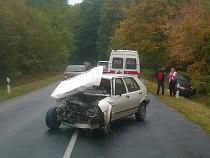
(140, 92)
(127, 96)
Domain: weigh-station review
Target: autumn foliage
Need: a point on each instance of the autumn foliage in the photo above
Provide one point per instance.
(189, 38)
(171, 33)
(43, 35)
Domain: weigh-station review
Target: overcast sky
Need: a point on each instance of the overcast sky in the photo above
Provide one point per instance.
(74, 1)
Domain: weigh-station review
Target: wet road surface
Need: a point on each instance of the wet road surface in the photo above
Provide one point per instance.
(164, 133)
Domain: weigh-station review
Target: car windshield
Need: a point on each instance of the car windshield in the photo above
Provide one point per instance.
(103, 88)
(75, 69)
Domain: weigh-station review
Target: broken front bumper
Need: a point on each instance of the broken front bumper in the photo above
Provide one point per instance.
(82, 125)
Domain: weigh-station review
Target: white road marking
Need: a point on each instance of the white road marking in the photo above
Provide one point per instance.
(71, 144)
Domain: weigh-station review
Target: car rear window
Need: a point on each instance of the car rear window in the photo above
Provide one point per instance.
(117, 63)
(75, 69)
(103, 63)
(130, 63)
(183, 83)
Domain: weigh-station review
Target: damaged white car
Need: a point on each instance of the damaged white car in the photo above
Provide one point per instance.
(93, 100)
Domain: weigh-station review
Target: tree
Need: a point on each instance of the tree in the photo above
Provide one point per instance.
(143, 31)
(189, 38)
(111, 14)
(35, 36)
(86, 24)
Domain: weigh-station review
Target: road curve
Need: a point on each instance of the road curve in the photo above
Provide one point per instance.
(164, 133)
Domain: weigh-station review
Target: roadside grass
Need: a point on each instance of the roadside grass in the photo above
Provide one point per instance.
(197, 112)
(29, 83)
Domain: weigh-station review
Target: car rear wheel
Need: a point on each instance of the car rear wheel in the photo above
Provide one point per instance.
(51, 119)
(141, 113)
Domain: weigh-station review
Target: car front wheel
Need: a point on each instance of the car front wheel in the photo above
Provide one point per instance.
(51, 119)
(141, 113)
(106, 129)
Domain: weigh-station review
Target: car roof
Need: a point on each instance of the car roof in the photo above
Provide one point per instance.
(103, 61)
(183, 77)
(124, 51)
(76, 65)
(110, 76)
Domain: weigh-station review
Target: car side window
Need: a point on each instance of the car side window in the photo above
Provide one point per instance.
(131, 84)
(135, 84)
(119, 86)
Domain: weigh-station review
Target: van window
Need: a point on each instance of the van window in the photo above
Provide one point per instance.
(130, 63)
(117, 63)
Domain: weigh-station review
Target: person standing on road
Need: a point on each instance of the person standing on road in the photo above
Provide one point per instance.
(160, 75)
(172, 81)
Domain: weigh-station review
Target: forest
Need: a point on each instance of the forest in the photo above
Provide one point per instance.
(46, 35)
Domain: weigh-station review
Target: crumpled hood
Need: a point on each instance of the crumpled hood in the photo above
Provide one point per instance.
(78, 83)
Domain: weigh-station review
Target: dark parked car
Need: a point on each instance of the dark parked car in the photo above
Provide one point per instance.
(74, 70)
(183, 84)
(86, 63)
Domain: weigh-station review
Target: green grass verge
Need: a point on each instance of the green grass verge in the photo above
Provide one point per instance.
(19, 90)
(196, 112)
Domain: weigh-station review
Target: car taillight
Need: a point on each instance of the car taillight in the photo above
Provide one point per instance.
(84, 71)
(64, 72)
(188, 89)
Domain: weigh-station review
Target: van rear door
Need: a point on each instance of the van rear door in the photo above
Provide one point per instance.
(116, 62)
(132, 66)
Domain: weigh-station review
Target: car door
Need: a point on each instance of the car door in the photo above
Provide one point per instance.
(120, 99)
(134, 95)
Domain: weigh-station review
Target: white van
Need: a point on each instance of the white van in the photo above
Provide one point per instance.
(124, 62)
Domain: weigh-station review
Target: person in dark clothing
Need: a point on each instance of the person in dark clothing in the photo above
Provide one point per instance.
(160, 75)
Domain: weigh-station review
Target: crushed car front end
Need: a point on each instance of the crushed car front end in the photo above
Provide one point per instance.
(76, 108)
(81, 112)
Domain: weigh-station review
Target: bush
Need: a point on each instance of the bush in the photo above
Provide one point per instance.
(148, 74)
(203, 85)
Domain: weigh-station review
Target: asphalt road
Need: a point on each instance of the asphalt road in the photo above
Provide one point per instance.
(164, 133)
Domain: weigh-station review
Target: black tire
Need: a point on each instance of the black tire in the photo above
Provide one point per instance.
(51, 119)
(105, 130)
(141, 113)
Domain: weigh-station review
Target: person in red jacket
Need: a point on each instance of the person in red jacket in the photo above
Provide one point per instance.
(172, 81)
(160, 75)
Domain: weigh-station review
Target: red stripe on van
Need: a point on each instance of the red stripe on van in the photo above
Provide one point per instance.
(132, 72)
(111, 72)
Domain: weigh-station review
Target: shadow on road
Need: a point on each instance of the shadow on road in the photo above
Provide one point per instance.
(118, 127)
(61, 131)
